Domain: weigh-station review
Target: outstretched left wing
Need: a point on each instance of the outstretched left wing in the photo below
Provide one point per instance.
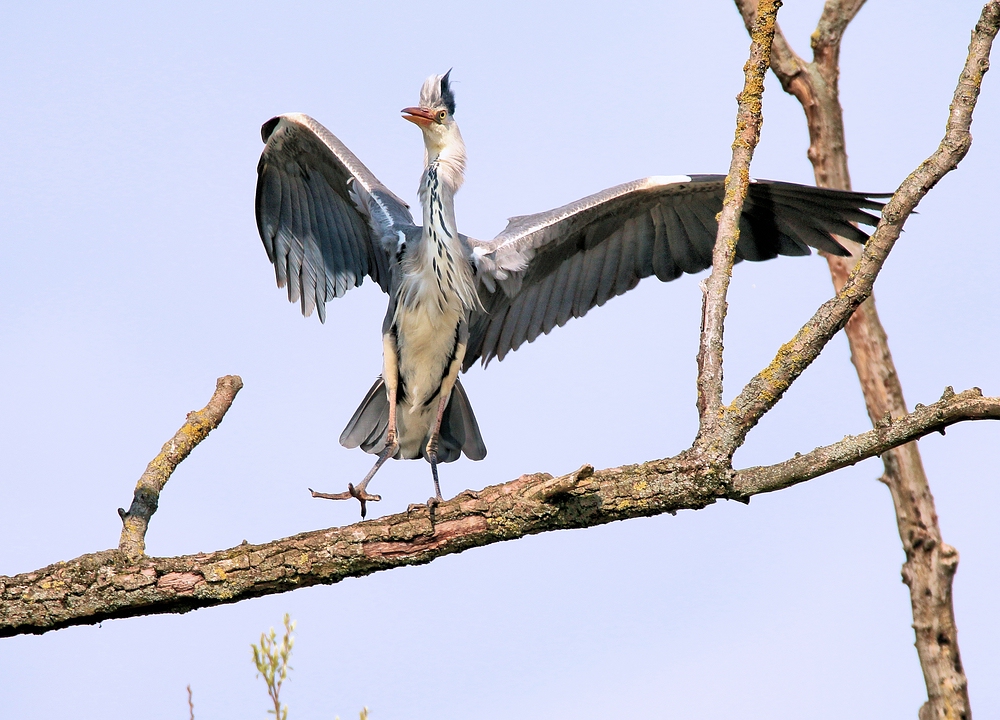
(546, 268)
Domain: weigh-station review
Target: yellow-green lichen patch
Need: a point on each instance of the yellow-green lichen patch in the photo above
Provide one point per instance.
(214, 573)
(504, 526)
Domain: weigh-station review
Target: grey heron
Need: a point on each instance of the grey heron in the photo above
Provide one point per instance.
(327, 223)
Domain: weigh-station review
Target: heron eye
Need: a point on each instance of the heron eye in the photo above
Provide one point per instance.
(442, 114)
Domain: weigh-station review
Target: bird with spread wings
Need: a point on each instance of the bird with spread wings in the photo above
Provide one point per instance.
(327, 223)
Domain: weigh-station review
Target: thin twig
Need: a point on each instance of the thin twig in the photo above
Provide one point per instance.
(969, 405)
(196, 428)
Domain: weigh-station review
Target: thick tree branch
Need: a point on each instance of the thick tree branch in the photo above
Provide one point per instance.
(930, 564)
(888, 433)
(196, 427)
(108, 584)
(749, 116)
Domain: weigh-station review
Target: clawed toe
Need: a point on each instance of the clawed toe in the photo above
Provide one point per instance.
(363, 497)
(330, 496)
(358, 493)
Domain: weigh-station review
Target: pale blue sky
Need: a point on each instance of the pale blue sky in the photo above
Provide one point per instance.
(132, 276)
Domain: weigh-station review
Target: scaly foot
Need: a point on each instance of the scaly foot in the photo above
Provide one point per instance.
(352, 492)
(360, 492)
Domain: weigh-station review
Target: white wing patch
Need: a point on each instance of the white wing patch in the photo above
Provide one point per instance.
(667, 180)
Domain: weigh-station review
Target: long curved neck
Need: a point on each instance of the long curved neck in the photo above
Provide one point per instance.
(444, 173)
(446, 152)
(437, 197)
(436, 273)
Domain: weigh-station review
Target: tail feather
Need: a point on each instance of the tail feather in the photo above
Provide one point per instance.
(459, 428)
(368, 427)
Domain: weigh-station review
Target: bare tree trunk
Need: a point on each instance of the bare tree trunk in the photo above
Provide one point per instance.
(930, 563)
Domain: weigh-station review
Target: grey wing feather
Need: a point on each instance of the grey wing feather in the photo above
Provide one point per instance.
(325, 219)
(544, 269)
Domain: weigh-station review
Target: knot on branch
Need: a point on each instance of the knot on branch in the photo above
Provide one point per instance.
(920, 539)
(723, 480)
(948, 559)
(144, 503)
(550, 489)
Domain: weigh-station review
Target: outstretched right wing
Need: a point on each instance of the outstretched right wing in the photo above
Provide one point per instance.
(325, 219)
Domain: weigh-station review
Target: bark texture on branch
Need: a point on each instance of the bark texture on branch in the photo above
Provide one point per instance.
(197, 426)
(930, 564)
(749, 117)
(889, 432)
(109, 584)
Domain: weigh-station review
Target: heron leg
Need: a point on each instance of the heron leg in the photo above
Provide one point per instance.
(360, 492)
(390, 375)
(447, 385)
(432, 447)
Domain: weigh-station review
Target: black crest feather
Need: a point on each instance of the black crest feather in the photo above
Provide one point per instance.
(447, 94)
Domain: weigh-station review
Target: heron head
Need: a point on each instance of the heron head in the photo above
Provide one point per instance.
(435, 116)
(436, 113)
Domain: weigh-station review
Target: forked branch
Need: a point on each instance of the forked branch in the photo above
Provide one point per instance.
(768, 386)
